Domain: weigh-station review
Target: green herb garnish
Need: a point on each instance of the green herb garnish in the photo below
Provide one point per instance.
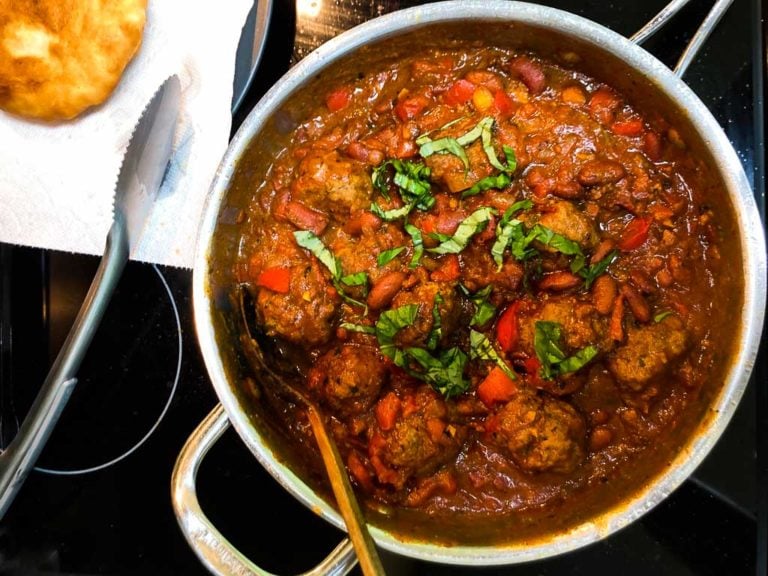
(481, 347)
(546, 343)
(387, 256)
(484, 310)
(661, 315)
(591, 273)
(418, 244)
(444, 372)
(471, 225)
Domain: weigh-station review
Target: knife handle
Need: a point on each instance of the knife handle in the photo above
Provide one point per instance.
(19, 458)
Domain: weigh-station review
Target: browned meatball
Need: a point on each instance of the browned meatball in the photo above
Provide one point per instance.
(539, 433)
(304, 314)
(648, 351)
(582, 324)
(424, 295)
(360, 254)
(418, 442)
(479, 270)
(565, 218)
(348, 378)
(333, 183)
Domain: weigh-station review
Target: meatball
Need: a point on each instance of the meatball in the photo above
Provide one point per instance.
(332, 183)
(647, 352)
(348, 378)
(418, 442)
(425, 296)
(479, 270)
(565, 218)
(539, 433)
(360, 254)
(449, 170)
(582, 324)
(305, 314)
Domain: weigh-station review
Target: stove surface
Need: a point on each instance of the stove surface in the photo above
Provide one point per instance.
(118, 519)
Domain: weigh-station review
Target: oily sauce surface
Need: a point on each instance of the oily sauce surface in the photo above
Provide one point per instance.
(498, 278)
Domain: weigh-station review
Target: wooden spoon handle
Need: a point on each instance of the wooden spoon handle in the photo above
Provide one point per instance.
(345, 497)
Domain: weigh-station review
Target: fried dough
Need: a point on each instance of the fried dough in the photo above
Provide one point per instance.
(60, 57)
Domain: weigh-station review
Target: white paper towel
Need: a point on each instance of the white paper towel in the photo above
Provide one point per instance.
(57, 181)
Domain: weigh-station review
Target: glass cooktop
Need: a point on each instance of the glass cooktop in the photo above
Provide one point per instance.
(102, 503)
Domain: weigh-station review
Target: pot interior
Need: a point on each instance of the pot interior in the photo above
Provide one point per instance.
(570, 42)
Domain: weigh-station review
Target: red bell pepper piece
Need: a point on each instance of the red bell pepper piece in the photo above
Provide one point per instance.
(460, 92)
(635, 234)
(507, 332)
(410, 107)
(449, 269)
(631, 128)
(277, 279)
(497, 387)
(503, 103)
(387, 410)
(338, 99)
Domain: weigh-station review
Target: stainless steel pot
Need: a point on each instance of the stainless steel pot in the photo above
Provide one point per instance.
(633, 70)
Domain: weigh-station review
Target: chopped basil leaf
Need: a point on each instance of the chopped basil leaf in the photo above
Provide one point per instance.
(357, 279)
(390, 323)
(308, 240)
(475, 133)
(661, 315)
(485, 136)
(391, 215)
(445, 373)
(480, 347)
(591, 273)
(546, 343)
(424, 138)
(508, 229)
(488, 183)
(471, 225)
(412, 184)
(484, 310)
(358, 328)
(436, 333)
(450, 145)
(388, 255)
(439, 237)
(418, 244)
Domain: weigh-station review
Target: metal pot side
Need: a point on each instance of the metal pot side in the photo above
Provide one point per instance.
(567, 26)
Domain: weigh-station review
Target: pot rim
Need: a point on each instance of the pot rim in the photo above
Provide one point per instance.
(727, 164)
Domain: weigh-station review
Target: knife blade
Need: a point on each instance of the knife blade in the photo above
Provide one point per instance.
(144, 164)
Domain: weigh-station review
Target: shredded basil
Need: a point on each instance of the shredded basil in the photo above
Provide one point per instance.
(481, 348)
(547, 344)
(412, 182)
(661, 315)
(436, 333)
(591, 273)
(484, 310)
(508, 229)
(471, 225)
(443, 145)
(496, 182)
(387, 256)
(390, 322)
(357, 279)
(418, 244)
(308, 240)
(444, 372)
(358, 328)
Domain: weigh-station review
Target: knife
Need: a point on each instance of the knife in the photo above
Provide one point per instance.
(142, 171)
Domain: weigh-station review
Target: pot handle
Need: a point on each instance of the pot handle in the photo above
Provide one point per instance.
(658, 21)
(218, 555)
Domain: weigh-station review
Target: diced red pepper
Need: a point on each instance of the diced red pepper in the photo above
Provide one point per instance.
(635, 234)
(411, 107)
(507, 331)
(652, 145)
(277, 279)
(503, 103)
(338, 99)
(460, 92)
(449, 269)
(387, 410)
(630, 128)
(497, 387)
(532, 367)
(359, 470)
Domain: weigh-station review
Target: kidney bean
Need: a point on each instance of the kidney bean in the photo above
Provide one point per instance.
(603, 294)
(385, 289)
(637, 304)
(600, 438)
(530, 73)
(599, 172)
(558, 281)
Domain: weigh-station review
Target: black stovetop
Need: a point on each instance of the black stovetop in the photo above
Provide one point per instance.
(118, 519)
